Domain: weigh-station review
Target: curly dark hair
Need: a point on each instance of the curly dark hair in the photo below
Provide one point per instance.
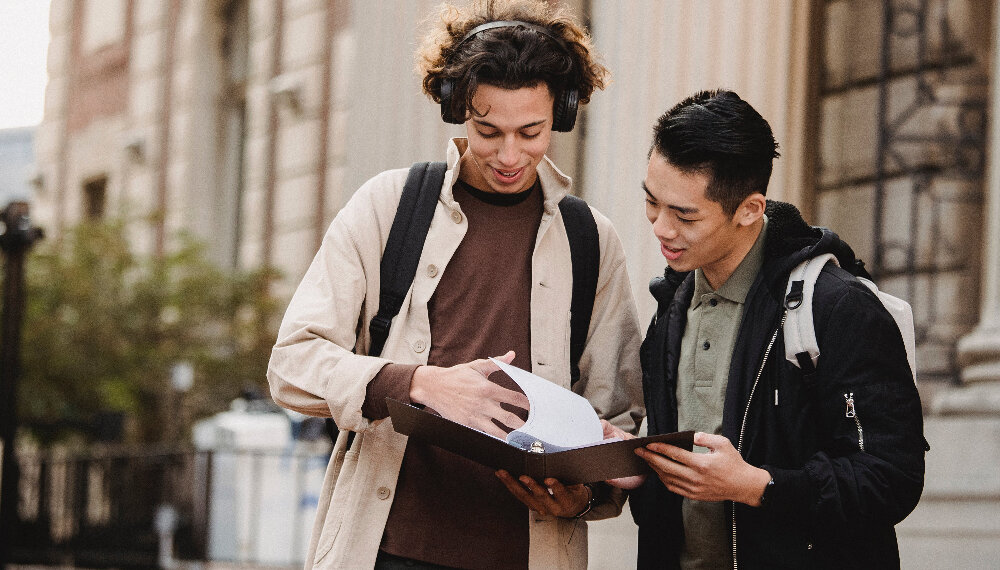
(507, 57)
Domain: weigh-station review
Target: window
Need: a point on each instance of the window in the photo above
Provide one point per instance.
(94, 194)
(902, 115)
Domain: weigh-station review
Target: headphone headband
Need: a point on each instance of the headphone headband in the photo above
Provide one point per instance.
(513, 24)
(566, 103)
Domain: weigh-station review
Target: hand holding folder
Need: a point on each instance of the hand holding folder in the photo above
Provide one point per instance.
(562, 438)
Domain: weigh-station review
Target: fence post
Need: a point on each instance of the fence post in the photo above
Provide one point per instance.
(16, 238)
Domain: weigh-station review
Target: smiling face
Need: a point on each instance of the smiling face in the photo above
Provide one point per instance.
(694, 231)
(509, 140)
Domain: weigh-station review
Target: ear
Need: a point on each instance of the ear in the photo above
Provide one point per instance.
(750, 210)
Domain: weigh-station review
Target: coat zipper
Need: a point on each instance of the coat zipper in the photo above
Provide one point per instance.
(852, 413)
(746, 412)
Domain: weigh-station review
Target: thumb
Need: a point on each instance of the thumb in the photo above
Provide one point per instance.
(611, 431)
(507, 358)
(711, 441)
(485, 366)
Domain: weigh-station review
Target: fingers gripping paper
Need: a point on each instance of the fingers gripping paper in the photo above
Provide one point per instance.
(557, 417)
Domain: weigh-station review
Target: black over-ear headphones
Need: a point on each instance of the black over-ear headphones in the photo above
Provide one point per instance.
(566, 103)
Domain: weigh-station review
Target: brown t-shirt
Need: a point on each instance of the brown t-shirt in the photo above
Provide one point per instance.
(449, 510)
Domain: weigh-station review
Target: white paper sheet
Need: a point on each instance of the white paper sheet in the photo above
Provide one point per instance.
(556, 416)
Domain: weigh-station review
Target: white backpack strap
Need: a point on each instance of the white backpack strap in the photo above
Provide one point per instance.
(903, 315)
(801, 348)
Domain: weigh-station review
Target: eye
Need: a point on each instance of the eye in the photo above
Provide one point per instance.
(685, 220)
(530, 135)
(488, 135)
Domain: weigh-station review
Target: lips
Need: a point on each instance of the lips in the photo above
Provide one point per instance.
(508, 176)
(670, 253)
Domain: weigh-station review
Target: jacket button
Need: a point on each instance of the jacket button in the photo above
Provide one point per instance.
(456, 216)
(419, 346)
(713, 302)
(432, 270)
(707, 345)
(383, 493)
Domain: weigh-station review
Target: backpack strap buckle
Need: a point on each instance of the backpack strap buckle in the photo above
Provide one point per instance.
(378, 329)
(793, 300)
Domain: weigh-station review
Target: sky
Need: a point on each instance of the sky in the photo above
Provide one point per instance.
(24, 40)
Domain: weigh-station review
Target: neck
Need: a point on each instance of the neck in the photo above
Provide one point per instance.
(496, 198)
(719, 273)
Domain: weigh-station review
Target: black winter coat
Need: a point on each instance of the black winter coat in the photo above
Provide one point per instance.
(832, 505)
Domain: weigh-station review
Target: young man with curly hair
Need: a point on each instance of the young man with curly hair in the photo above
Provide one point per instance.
(494, 278)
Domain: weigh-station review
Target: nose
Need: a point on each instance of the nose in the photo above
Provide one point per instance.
(663, 228)
(507, 153)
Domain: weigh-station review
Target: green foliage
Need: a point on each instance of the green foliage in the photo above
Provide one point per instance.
(103, 328)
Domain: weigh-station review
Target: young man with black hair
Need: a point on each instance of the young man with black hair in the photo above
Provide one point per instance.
(784, 475)
(494, 278)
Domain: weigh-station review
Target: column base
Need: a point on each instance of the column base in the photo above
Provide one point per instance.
(979, 355)
(974, 399)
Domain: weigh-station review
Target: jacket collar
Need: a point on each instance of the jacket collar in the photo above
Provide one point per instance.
(791, 241)
(555, 184)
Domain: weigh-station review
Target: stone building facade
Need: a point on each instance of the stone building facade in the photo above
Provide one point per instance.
(249, 123)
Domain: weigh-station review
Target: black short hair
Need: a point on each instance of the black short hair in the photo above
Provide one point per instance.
(718, 133)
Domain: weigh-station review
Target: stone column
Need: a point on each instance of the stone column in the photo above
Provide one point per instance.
(955, 525)
(979, 351)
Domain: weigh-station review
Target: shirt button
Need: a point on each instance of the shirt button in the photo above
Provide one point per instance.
(713, 302)
(383, 493)
(707, 345)
(419, 346)
(456, 216)
(432, 270)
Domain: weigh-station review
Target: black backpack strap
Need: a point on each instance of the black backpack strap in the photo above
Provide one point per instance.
(585, 251)
(404, 245)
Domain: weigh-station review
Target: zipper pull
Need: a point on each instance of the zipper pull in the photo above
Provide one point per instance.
(849, 398)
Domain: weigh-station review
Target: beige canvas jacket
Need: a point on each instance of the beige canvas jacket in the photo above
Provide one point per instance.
(318, 365)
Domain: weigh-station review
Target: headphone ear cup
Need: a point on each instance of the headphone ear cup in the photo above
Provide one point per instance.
(564, 112)
(447, 88)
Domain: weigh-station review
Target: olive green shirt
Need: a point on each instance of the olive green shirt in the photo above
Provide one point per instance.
(706, 352)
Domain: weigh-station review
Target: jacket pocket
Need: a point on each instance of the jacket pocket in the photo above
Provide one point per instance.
(568, 349)
(338, 501)
(851, 412)
(574, 538)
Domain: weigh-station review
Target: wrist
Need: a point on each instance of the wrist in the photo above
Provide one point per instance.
(419, 385)
(763, 481)
(591, 499)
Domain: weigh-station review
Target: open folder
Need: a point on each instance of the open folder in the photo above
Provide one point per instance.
(560, 439)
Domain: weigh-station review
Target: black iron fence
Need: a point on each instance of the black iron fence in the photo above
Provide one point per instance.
(115, 507)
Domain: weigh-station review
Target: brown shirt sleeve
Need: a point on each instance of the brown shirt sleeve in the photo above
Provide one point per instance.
(393, 381)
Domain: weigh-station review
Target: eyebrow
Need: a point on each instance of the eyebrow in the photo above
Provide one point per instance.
(680, 209)
(492, 126)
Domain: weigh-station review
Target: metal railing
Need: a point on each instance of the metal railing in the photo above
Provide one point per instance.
(102, 508)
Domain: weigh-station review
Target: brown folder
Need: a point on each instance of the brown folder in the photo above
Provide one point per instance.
(587, 464)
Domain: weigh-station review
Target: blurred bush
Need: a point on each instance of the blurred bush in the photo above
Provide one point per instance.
(104, 327)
